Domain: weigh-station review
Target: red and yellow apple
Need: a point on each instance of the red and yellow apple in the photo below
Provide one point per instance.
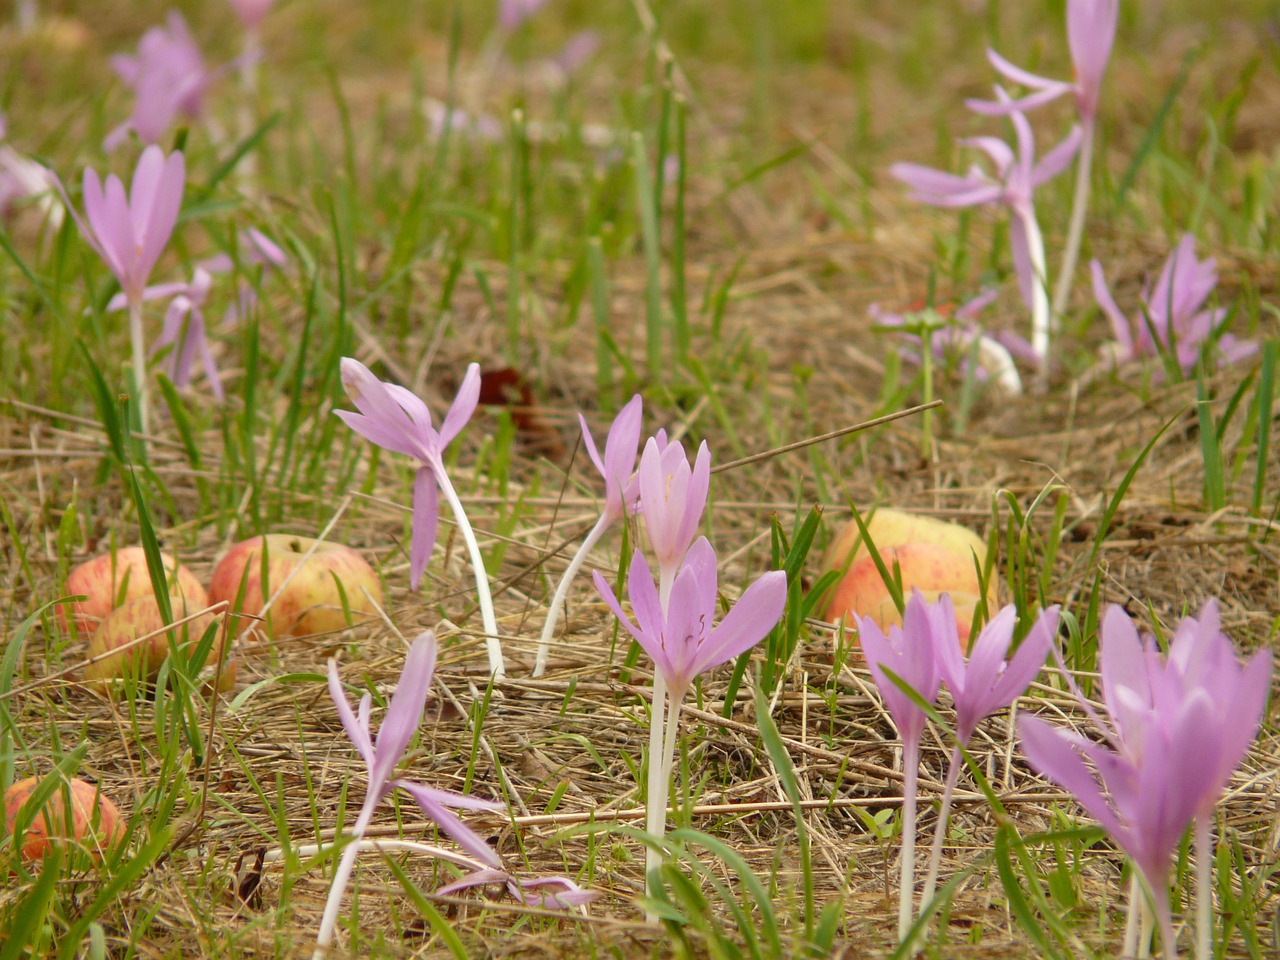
(113, 652)
(121, 577)
(306, 573)
(932, 556)
(95, 820)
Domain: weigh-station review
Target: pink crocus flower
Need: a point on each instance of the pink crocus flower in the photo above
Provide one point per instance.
(251, 12)
(512, 13)
(1179, 725)
(1017, 175)
(678, 634)
(1173, 320)
(673, 496)
(1091, 33)
(681, 641)
(381, 756)
(22, 178)
(184, 323)
(989, 680)
(168, 77)
(130, 231)
(622, 491)
(957, 336)
(910, 653)
(393, 418)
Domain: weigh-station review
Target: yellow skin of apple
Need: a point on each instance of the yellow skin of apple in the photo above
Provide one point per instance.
(102, 578)
(133, 620)
(310, 602)
(889, 528)
(95, 819)
(927, 567)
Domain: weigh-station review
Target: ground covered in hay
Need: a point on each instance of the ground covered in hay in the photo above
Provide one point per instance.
(532, 246)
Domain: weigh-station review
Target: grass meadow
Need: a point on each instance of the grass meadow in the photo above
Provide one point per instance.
(701, 211)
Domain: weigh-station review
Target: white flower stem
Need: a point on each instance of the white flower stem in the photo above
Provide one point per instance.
(492, 644)
(247, 167)
(906, 888)
(940, 830)
(655, 821)
(1168, 939)
(1131, 919)
(1204, 895)
(139, 359)
(1075, 232)
(1040, 316)
(342, 876)
(562, 592)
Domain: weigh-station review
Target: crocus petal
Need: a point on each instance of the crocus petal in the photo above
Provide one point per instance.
(1024, 77)
(611, 601)
(1023, 266)
(1119, 323)
(643, 594)
(464, 405)
(1091, 31)
(429, 802)
(426, 513)
(565, 894)
(1027, 661)
(382, 419)
(357, 733)
(1058, 159)
(695, 496)
(746, 624)
(404, 712)
(986, 655)
(1057, 757)
(155, 219)
(589, 442)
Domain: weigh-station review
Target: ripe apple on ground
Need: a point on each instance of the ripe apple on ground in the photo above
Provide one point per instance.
(311, 600)
(933, 557)
(95, 820)
(104, 579)
(137, 618)
(889, 528)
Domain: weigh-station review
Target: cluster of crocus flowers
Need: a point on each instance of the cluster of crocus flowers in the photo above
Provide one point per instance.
(942, 333)
(920, 655)
(382, 756)
(622, 490)
(393, 418)
(1179, 723)
(130, 231)
(1091, 32)
(675, 618)
(1173, 320)
(169, 79)
(184, 327)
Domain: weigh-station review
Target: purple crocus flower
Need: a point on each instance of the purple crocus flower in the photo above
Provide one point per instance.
(681, 640)
(168, 78)
(393, 418)
(512, 13)
(673, 496)
(621, 493)
(910, 652)
(1017, 175)
(988, 681)
(22, 178)
(1179, 725)
(546, 893)
(130, 231)
(382, 755)
(1091, 33)
(1173, 320)
(251, 12)
(679, 636)
(956, 335)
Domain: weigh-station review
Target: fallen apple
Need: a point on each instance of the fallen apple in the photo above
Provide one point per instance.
(114, 579)
(95, 823)
(311, 584)
(889, 528)
(113, 651)
(927, 567)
